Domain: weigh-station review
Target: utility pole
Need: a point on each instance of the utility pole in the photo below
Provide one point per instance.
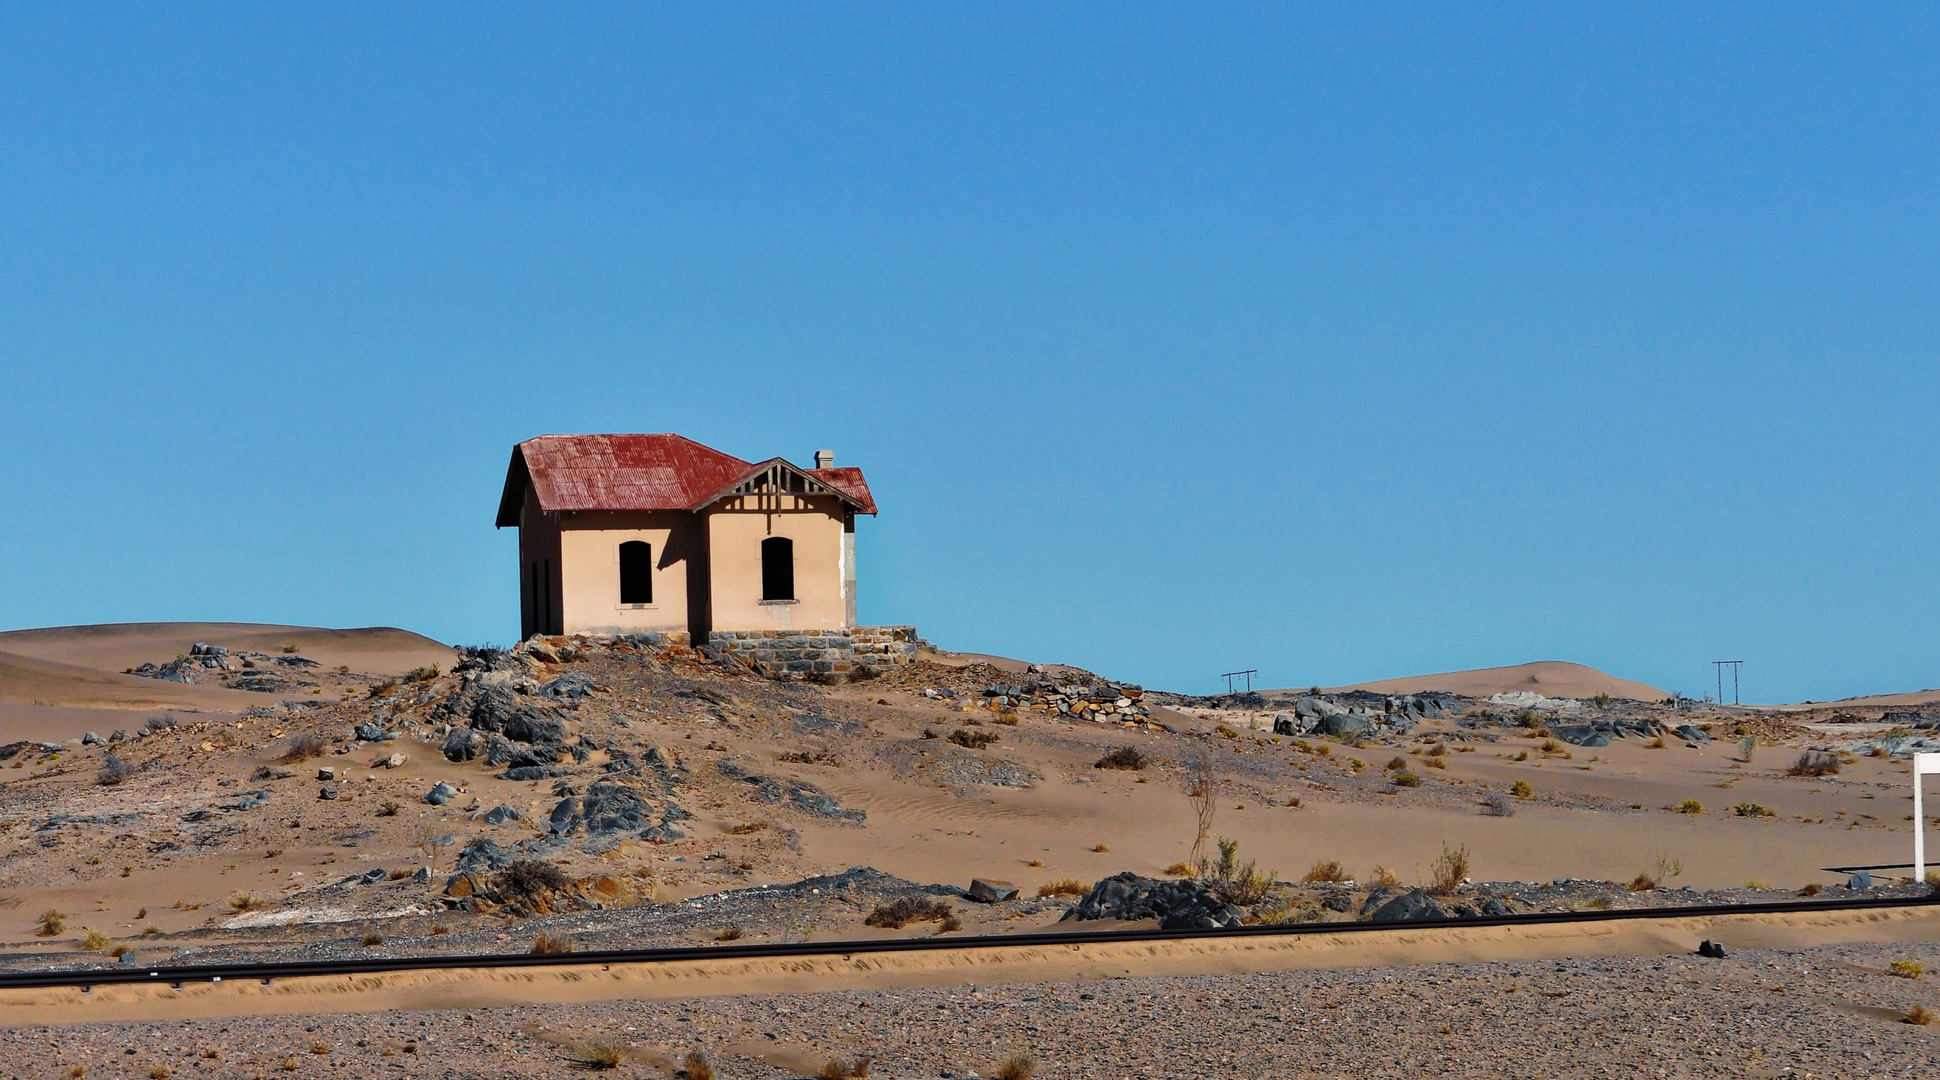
(1734, 665)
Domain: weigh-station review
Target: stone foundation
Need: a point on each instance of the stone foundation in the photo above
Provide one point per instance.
(828, 655)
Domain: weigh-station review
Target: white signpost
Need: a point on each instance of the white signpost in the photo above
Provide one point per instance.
(1922, 765)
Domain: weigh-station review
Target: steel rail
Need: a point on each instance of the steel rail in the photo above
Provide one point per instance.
(289, 969)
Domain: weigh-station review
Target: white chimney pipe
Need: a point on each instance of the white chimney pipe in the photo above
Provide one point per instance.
(824, 459)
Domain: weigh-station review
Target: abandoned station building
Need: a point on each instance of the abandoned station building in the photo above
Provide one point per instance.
(657, 534)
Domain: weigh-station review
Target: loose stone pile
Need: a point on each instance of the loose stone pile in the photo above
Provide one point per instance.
(262, 673)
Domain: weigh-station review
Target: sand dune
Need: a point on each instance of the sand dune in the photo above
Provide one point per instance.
(112, 647)
(1550, 678)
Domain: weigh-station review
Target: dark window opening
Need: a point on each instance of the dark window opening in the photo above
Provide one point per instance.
(636, 572)
(777, 568)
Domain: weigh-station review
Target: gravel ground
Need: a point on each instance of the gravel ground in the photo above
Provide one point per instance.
(1830, 1011)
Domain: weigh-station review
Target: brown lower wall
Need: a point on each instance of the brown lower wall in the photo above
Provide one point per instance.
(831, 655)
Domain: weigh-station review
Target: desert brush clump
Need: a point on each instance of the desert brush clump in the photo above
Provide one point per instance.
(1015, 1067)
(241, 902)
(1063, 887)
(1752, 810)
(1642, 883)
(908, 909)
(1404, 778)
(527, 880)
(1326, 870)
(1126, 758)
(550, 944)
(1906, 969)
(972, 740)
(695, 1066)
(1449, 870)
(113, 770)
(1380, 876)
(1241, 883)
(1496, 804)
(839, 1069)
(95, 940)
(50, 924)
(1815, 763)
(303, 748)
(1918, 1014)
(1690, 807)
(598, 1052)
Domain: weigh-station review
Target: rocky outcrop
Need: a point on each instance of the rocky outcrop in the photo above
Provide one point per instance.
(1177, 904)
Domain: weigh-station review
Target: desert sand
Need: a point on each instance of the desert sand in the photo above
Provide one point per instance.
(217, 840)
(1550, 678)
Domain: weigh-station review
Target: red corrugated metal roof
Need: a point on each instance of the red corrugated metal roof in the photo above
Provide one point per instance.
(635, 472)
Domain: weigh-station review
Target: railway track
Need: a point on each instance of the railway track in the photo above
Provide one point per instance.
(86, 978)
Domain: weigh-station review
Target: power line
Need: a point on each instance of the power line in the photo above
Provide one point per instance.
(1735, 665)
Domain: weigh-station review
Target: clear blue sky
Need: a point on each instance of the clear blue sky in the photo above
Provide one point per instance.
(1340, 343)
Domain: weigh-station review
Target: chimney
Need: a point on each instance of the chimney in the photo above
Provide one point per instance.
(824, 459)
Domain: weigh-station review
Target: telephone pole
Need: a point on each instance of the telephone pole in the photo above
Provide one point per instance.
(1734, 665)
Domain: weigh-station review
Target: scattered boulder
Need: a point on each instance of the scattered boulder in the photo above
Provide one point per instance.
(422, 877)
(482, 856)
(463, 744)
(249, 800)
(499, 815)
(1712, 949)
(568, 687)
(605, 808)
(395, 760)
(1493, 908)
(440, 794)
(328, 772)
(369, 732)
(1178, 904)
(1345, 725)
(327, 793)
(1415, 905)
(1580, 735)
(375, 875)
(1692, 733)
(991, 892)
(91, 739)
(1860, 881)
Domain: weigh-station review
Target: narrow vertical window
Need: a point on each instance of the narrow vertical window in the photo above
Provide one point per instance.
(636, 572)
(777, 568)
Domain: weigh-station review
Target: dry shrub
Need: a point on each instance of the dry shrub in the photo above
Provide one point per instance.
(1906, 969)
(159, 1072)
(292, 1063)
(373, 939)
(389, 808)
(1815, 763)
(1918, 1014)
(1752, 810)
(319, 1048)
(440, 930)
(1179, 869)
(695, 1066)
(1015, 1067)
(1063, 887)
(546, 944)
(1326, 870)
(1126, 758)
(1006, 717)
(1397, 762)
(1101, 848)
(1689, 806)
(837, 1069)
(908, 909)
(1435, 762)
(1404, 778)
(972, 740)
(95, 940)
(119, 950)
(384, 689)
(1812, 889)
(303, 748)
(1642, 883)
(240, 902)
(530, 879)
(1495, 804)
(423, 674)
(729, 933)
(113, 770)
(950, 925)
(1450, 869)
(598, 1052)
(749, 829)
(1380, 876)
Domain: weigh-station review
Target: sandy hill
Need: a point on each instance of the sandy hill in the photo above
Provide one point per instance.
(1550, 678)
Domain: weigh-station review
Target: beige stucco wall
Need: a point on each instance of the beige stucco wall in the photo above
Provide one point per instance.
(735, 529)
(590, 571)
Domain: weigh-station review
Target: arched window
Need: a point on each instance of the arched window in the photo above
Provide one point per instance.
(636, 572)
(777, 568)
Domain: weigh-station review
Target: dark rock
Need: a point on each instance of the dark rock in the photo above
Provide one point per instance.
(1344, 725)
(1379, 895)
(499, 815)
(369, 732)
(327, 793)
(1692, 733)
(440, 794)
(605, 808)
(422, 877)
(991, 892)
(463, 744)
(1581, 735)
(482, 855)
(91, 739)
(533, 772)
(1493, 908)
(1712, 949)
(569, 687)
(1415, 905)
(249, 801)
(1339, 901)
(372, 876)
(1860, 881)
(1178, 904)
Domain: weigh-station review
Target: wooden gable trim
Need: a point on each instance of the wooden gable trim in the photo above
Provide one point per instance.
(777, 477)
